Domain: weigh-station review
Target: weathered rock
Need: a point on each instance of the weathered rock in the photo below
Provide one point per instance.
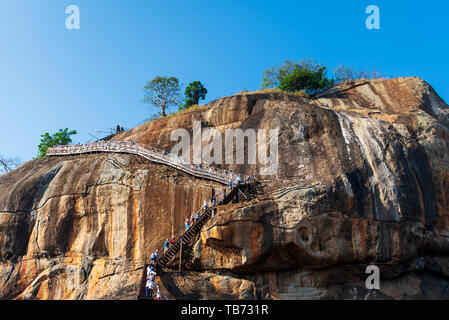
(363, 179)
(83, 227)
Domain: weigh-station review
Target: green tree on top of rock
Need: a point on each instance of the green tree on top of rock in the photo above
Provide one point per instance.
(307, 80)
(306, 76)
(61, 138)
(194, 92)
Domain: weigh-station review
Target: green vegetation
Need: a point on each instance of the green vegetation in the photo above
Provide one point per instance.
(62, 137)
(306, 80)
(306, 76)
(194, 92)
(162, 92)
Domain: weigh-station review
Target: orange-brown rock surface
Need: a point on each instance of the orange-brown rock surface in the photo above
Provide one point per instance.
(363, 179)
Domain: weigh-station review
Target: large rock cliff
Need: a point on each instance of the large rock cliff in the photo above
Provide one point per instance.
(363, 179)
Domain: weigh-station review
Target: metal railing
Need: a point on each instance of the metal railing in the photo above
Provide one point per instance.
(200, 221)
(165, 259)
(150, 153)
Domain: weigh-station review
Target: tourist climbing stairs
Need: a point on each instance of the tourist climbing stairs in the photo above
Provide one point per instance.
(193, 230)
(179, 163)
(186, 238)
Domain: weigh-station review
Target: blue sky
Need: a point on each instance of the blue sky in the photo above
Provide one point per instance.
(91, 79)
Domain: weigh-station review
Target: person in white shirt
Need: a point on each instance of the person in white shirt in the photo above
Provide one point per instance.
(205, 205)
(149, 288)
(149, 270)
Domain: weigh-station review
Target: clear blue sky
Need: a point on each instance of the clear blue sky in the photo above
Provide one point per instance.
(91, 79)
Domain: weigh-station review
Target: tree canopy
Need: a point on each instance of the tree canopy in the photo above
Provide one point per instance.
(305, 75)
(306, 80)
(62, 137)
(193, 93)
(163, 93)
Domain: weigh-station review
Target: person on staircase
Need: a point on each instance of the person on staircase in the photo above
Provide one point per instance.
(153, 256)
(205, 206)
(149, 288)
(150, 269)
(158, 293)
(230, 184)
(213, 200)
(152, 275)
(166, 245)
(239, 180)
(192, 219)
(172, 241)
(187, 224)
(197, 216)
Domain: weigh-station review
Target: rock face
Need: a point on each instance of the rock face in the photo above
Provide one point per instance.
(82, 227)
(363, 178)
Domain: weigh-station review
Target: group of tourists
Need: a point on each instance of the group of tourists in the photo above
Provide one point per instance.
(198, 166)
(97, 146)
(151, 275)
(195, 217)
(168, 244)
(151, 289)
(129, 145)
(234, 180)
(238, 181)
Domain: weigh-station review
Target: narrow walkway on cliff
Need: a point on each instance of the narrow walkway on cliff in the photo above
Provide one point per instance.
(149, 153)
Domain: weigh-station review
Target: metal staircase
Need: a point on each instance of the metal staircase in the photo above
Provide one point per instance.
(185, 239)
(165, 258)
(179, 163)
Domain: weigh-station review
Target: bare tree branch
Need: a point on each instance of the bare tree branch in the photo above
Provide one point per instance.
(8, 164)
